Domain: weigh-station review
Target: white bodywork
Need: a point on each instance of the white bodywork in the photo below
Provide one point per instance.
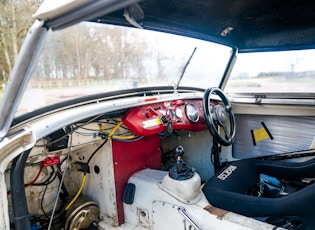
(154, 208)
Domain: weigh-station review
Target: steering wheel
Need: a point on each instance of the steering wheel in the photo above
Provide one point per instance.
(219, 115)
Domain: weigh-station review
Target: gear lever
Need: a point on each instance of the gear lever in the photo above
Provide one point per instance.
(179, 151)
(180, 171)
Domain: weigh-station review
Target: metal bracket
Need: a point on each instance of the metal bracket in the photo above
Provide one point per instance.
(258, 99)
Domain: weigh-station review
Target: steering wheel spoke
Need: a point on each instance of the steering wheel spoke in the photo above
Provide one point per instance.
(219, 116)
(227, 135)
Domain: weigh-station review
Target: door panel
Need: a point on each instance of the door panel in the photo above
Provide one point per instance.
(261, 133)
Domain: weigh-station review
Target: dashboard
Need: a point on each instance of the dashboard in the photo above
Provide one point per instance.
(164, 117)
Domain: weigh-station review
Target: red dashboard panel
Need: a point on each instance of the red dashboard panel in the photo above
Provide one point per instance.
(166, 116)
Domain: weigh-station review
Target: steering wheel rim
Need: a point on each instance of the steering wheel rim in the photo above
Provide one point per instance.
(216, 117)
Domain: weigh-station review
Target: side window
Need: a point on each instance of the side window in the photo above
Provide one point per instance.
(273, 72)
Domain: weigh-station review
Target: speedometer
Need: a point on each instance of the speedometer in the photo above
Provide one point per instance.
(192, 112)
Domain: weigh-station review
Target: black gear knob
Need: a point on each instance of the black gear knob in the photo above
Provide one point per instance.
(179, 151)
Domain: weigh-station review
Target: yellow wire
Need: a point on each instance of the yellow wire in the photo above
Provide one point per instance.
(78, 193)
(84, 175)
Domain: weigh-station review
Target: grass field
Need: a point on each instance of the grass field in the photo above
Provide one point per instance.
(271, 84)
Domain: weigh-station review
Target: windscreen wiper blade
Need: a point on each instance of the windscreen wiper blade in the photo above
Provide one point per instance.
(184, 69)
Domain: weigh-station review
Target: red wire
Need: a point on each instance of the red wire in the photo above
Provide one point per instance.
(33, 181)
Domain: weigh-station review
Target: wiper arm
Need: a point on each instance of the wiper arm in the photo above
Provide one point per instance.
(184, 69)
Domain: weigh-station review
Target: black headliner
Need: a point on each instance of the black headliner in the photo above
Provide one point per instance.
(257, 24)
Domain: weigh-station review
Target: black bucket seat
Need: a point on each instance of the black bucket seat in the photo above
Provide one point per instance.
(233, 189)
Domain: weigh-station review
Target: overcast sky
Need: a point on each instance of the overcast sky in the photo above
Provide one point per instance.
(254, 63)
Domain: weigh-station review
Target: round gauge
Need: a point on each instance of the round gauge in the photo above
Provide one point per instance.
(179, 112)
(192, 113)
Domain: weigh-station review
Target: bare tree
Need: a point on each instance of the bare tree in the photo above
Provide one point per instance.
(15, 20)
(293, 61)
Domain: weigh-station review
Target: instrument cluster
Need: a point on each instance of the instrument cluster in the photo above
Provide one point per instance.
(164, 117)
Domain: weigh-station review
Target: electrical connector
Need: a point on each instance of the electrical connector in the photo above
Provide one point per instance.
(50, 161)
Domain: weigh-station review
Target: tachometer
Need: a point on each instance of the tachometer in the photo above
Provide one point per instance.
(192, 112)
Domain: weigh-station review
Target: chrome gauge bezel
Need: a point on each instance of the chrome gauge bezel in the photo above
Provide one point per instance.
(192, 112)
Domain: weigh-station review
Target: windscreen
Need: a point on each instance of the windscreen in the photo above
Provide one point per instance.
(91, 58)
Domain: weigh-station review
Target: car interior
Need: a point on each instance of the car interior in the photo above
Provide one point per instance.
(171, 157)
